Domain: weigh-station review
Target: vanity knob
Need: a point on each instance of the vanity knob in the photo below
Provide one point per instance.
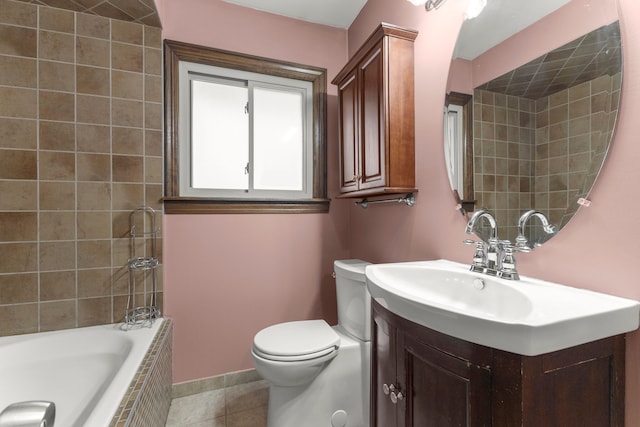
(395, 397)
(386, 389)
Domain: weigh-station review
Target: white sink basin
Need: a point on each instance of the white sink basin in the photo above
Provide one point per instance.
(526, 316)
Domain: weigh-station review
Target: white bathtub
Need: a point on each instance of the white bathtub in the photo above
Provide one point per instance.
(84, 371)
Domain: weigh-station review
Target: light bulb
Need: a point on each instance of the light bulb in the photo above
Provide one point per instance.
(474, 8)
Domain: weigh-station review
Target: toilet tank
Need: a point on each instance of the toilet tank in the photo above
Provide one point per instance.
(354, 300)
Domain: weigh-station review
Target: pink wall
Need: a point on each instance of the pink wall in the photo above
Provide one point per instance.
(596, 250)
(228, 276)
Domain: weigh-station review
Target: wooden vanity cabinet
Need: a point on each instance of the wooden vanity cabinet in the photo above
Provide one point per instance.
(446, 382)
(376, 115)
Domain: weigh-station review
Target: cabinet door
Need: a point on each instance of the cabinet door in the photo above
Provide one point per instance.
(384, 412)
(372, 120)
(442, 390)
(349, 163)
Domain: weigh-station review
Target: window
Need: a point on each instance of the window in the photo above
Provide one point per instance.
(243, 134)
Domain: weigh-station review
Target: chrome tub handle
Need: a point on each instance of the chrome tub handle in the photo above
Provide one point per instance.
(35, 413)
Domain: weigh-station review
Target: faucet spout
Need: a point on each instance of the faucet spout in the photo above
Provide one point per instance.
(522, 242)
(479, 214)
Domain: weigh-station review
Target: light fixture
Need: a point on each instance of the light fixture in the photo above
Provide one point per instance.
(428, 4)
(474, 8)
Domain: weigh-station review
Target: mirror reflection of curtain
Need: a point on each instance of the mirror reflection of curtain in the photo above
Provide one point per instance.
(453, 123)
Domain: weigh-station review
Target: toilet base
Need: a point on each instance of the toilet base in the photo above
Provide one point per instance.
(343, 385)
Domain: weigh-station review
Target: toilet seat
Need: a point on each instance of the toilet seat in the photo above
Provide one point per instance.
(296, 341)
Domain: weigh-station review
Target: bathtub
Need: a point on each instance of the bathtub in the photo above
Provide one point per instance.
(86, 372)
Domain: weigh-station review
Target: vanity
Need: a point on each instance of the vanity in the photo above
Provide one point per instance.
(452, 382)
(455, 348)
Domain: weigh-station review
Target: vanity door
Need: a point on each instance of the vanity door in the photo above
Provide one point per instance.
(441, 389)
(384, 413)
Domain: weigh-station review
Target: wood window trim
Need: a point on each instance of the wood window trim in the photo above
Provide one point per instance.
(174, 52)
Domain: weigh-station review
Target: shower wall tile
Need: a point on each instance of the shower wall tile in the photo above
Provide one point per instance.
(95, 282)
(57, 225)
(18, 133)
(17, 164)
(92, 51)
(18, 257)
(57, 165)
(93, 26)
(127, 141)
(126, 32)
(18, 319)
(94, 311)
(92, 80)
(18, 195)
(18, 41)
(16, 71)
(80, 147)
(127, 85)
(18, 288)
(18, 102)
(93, 109)
(93, 138)
(126, 57)
(56, 46)
(94, 196)
(18, 13)
(18, 226)
(57, 195)
(94, 167)
(57, 20)
(56, 315)
(57, 285)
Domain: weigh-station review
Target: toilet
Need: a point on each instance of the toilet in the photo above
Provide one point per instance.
(318, 374)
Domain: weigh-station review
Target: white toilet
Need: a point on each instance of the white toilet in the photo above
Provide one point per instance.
(319, 374)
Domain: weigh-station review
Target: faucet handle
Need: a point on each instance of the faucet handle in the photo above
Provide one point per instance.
(522, 244)
(509, 270)
(479, 257)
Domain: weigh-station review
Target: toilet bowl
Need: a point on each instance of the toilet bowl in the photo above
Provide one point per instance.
(318, 374)
(294, 353)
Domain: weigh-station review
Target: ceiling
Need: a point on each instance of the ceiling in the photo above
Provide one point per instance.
(335, 13)
(593, 55)
(499, 20)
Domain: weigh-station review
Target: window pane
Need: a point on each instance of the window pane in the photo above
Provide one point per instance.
(278, 139)
(219, 136)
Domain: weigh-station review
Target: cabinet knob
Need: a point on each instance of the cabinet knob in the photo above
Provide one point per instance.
(386, 389)
(395, 397)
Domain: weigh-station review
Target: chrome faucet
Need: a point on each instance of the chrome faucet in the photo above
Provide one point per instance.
(479, 214)
(522, 243)
(34, 413)
(495, 257)
(486, 258)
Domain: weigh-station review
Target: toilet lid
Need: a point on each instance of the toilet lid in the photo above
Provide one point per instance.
(297, 339)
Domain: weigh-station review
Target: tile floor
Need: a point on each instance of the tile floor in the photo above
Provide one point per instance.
(232, 400)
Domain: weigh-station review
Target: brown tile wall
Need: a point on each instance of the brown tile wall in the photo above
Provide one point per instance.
(542, 154)
(80, 147)
(574, 128)
(504, 137)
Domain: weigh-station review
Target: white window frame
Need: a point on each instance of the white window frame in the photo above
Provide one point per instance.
(193, 71)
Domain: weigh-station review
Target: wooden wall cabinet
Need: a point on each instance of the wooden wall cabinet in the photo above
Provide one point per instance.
(441, 381)
(376, 116)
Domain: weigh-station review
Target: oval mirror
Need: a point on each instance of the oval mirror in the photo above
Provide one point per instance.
(532, 101)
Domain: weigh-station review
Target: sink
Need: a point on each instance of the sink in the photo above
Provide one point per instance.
(526, 316)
